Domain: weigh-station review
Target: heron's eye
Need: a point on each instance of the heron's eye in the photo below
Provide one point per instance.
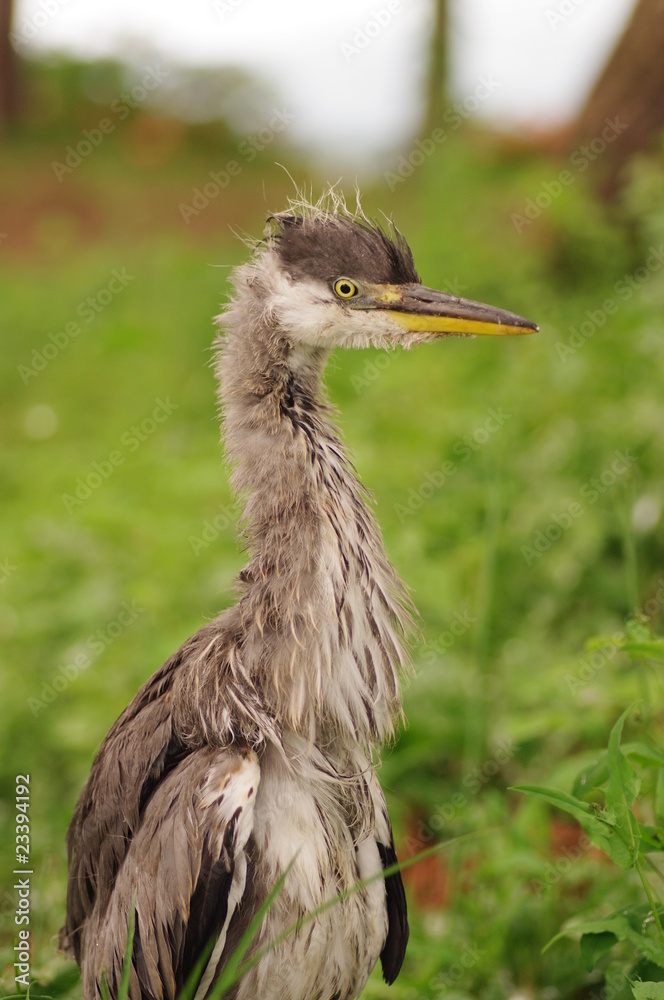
(345, 288)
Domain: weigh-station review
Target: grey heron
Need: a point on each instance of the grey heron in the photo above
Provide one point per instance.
(251, 749)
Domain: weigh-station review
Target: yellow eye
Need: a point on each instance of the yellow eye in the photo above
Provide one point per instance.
(345, 288)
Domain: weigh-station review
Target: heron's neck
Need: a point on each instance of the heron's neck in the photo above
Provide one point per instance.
(323, 612)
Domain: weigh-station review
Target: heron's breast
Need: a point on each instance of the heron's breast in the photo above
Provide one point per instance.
(305, 818)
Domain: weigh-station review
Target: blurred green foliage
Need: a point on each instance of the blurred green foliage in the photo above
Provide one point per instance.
(518, 485)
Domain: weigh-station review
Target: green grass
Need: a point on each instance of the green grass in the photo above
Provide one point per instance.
(492, 706)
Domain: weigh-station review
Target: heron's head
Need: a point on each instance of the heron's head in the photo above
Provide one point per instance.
(338, 280)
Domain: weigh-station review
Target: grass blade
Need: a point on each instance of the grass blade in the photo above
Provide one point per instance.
(355, 888)
(123, 989)
(622, 789)
(232, 971)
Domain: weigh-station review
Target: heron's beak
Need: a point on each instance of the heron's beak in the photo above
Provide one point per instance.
(425, 310)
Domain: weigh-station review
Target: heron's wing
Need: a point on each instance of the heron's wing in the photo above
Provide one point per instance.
(394, 949)
(184, 873)
(136, 754)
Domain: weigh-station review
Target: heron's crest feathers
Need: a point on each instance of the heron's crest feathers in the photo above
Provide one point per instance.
(325, 240)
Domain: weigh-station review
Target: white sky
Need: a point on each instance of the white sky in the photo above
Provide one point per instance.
(542, 55)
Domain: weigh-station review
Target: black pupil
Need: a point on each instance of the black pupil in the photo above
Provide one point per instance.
(345, 288)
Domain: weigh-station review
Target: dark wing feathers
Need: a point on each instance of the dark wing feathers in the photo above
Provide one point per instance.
(208, 908)
(141, 830)
(394, 949)
(138, 752)
(178, 871)
(108, 812)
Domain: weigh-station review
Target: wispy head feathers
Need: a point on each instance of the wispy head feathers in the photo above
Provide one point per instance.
(325, 240)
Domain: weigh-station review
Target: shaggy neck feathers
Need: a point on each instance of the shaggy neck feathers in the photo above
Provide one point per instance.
(322, 612)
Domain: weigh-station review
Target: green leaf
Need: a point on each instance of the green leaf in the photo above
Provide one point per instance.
(594, 823)
(581, 810)
(596, 774)
(644, 752)
(602, 641)
(653, 649)
(643, 971)
(593, 946)
(61, 985)
(622, 790)
(592, 777)
(652, 838)
(633, 924)
(648, 991)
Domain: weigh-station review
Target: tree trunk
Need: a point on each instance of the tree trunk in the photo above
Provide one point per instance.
(625, 111)
(8, 68)
(437, 95)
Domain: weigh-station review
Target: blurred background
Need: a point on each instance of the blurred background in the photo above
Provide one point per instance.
(518, 484)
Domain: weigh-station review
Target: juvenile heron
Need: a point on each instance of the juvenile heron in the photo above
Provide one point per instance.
(251, 748)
